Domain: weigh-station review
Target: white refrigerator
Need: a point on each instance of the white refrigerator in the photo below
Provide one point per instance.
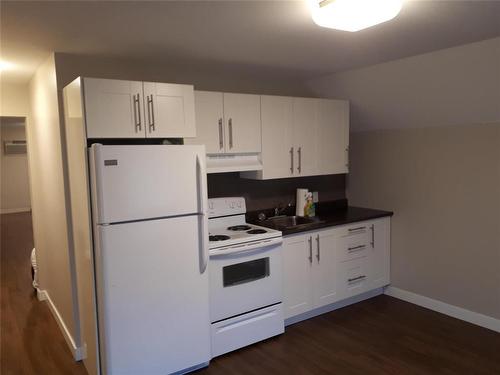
(151, 257)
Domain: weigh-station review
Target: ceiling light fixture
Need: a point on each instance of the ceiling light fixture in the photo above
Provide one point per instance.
(4, 65)
(353, 15)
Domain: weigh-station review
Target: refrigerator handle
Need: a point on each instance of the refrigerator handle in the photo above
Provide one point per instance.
(202, 194)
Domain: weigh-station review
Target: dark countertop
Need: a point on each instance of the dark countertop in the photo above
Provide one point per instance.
(328, 214)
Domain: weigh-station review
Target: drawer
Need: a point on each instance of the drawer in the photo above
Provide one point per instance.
(353, 277)
(356, 230)
(353, 247)
(234, 333)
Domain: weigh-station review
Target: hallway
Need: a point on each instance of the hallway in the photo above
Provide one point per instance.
(31, 342)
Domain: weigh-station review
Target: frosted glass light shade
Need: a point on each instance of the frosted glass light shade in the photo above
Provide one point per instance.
(353, 15)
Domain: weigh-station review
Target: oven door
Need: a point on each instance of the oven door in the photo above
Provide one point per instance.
(244, 278)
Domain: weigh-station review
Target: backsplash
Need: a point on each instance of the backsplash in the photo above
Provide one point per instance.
(262, 194)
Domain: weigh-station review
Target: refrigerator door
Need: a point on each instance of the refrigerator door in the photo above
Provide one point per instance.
(153, 298)
(146, 181)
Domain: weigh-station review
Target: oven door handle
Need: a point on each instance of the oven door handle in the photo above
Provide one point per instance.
(246, 247)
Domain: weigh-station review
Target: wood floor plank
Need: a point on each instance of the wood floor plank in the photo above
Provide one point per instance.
(382, 335)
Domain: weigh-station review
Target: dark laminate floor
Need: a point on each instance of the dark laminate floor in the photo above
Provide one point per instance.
(31, 342)
(379, 336)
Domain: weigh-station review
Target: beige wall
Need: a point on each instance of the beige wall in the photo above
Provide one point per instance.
(430, 151)
(48, 197)
(14, 99)
(459, 85)
(256, 80)
(15, 189)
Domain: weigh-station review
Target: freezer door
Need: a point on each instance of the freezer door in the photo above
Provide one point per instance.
(153, 299)
(146, 181)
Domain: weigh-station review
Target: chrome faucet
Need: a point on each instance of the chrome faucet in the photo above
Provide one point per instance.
(278, 211)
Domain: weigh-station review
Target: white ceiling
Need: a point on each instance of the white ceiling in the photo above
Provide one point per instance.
(247, 34)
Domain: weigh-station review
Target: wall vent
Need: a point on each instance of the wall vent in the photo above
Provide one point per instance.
(14, 147)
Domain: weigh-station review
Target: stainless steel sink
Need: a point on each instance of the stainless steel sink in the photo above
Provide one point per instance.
(289, 222)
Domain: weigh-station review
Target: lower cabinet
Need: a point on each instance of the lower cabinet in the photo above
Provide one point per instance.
(325, 266)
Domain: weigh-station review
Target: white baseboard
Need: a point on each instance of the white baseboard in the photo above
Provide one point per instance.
(78, 352)
(334, 306)
(445, 308)
(14, 210)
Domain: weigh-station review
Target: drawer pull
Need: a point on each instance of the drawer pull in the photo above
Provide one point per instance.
(359, 278)
(356, 229)
(356, 248)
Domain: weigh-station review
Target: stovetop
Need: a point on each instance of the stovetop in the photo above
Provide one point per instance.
(228, 231)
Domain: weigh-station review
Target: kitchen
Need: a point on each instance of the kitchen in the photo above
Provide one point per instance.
(237, 156)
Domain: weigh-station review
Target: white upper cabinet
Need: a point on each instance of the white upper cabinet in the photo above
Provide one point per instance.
(278, 153)
(113, 108)
(305, 136)
(209, 109)
(333, 136)
(132, 109)
(227, 123)
(169, 110)
(242, 118)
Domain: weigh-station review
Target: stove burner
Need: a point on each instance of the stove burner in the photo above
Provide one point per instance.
(239, 227)
(218, 237)
(257, 231)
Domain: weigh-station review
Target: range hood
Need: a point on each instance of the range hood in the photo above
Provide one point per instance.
(218, 163)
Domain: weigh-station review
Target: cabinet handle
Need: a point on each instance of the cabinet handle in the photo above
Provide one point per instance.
(299, 151)
(221, 143)
(153, 123)
(317, 243)
(372, 227)
(151, 114)
(230, 133)
(291, 160)
(347, 157)
(356, 248)
(310, 249)
(359, 278)
(137, 113)
(356, 229)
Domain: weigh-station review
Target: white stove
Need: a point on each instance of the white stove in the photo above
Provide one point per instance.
(246, 286)
(227, 225)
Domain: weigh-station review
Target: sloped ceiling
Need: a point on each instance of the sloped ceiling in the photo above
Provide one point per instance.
(278, 35)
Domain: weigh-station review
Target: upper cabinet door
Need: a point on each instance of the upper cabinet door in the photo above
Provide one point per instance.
(278, 153)
(242, 123)
(113, 108)
(209, 121)
(333, 131)
(169, 110)
(305, 134)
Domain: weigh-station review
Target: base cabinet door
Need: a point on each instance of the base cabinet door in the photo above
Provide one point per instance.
(297, 268)
(325, 290)
(379, 253)
(113, 108)
(169, 110)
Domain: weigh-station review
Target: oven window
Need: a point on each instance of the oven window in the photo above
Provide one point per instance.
(245, 272)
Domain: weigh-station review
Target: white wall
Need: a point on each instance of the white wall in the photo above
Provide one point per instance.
(15, 189)
(427, 145)
(57, 276)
